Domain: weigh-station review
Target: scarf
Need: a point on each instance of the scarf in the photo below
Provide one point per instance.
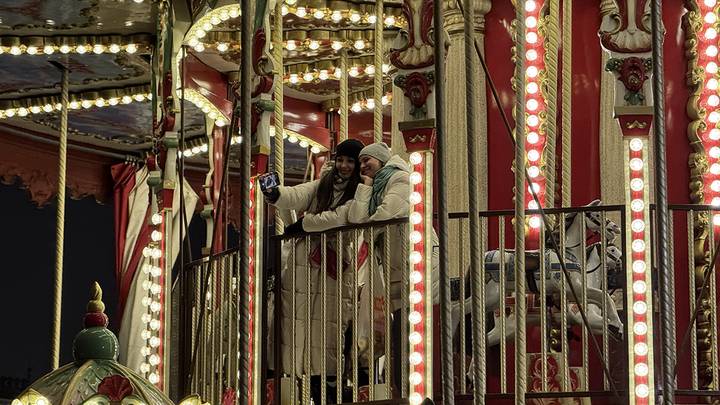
(378, 188)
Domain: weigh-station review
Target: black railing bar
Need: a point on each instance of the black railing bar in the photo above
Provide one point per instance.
(699, 393)
(566, 210)
(549, 395)
(367, 225)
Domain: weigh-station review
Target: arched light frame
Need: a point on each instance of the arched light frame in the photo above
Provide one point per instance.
(205, 105)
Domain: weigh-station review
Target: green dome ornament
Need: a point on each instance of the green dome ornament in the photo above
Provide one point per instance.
(95, 377)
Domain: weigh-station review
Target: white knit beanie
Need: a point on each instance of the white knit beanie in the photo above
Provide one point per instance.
(379, 151)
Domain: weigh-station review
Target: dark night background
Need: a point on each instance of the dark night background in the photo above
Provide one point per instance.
(27, 248)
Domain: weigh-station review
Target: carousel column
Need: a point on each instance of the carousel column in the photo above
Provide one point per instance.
(416, 79)
(634, 113)
(456, 125)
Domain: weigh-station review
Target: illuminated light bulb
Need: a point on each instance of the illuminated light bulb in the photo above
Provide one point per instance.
(359, 44)
(711, 33)
(415, 237)
(714, 134)
(636, 184)
(146, 318)
(533, 155)
(131, 48)
(532, 205)
(187, 153)
(303, 144)
(638, 246)
(308, 77)
(534, 222)
(144, 368)
(716, 202)
(385, 100)
(154, 360)
(32, 50)
(126, 100)
(415, 158)
(714, 117)
(59, 106)
(290, 45)
(212, 115)
(639, 287)
(642, 391)
(356, 107)
(353, 72)
(534, 187)
(147, 251)
(716, 219)
(641, 369)
(711, 67)
(36, 109)
(284, 10)
(532, 104)
(640, 307)
(156, 253)
(715, 168)
(336, 45)
(532, 88)
(711, 51)
(713, 100)
(390, 20)
(314, 45)
(64, 49)
(415, 178)
(154, 324)
(15, 50)
(319, 14)
(640, 328)
(193, 42)
(415, 399)
(146, 269)
(531, 22)
(223, 47)
(113, 101)
(386, 67)
(224, 15)
(154, 378)
(48, 49)
(155, 271)
(234, 12)
(370, 103)
(336, 16)
(415, 378)
(533, 138)
(530, 6)
(641, 349)
(48, 107)
(220, 122)
(415, 297)
(315, 149)
(155, 307)
(301, 12)
(415, 358)
(200, 47)
(215, 20)
(81, 49)
(10, 112)
(98, 49)
(638, 225)
(292, 139)
(533, 121)
(639, 266)
(636, 144)
(146, 286)
(372, 19)
(415, 317)
(415, 277)
(531, 37)
(323, 75)
(156, 236)
(203, 148)
(206, 27)
(370, 69)
(637, 164)
(415, 198)
(354, 17)
(532, 71)
(139, 97)
(145, 334)
(145, 351)
(114, 48)
(533, 171)
(415, 218)
(715, 186)
(22, 112)
(100, 102)
(710, 17)
(415, 257)
(415, 338)
(337, 73)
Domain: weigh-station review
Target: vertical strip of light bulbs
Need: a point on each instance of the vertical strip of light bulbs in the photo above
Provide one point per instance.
(640, 294)
(534, 109)
(710, 100)
(254, 291)
(152, 318)
(420, 294)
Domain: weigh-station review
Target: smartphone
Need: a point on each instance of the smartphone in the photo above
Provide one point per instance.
(269, 181)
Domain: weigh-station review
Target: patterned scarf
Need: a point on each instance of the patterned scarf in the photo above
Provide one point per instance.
(378, 188)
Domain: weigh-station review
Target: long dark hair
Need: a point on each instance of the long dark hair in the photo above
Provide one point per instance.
(326, 189)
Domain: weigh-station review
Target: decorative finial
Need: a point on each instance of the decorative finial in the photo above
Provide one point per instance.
(95, 315)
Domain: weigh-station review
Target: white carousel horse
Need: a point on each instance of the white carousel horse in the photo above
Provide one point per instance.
(596, 298)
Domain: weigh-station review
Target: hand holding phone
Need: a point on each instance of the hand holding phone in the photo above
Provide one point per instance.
(268, 181)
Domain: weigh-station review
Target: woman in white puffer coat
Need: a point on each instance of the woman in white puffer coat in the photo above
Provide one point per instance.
(325, 203)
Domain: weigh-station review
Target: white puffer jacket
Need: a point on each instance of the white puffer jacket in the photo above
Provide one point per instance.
(395, 204)
(301, 198)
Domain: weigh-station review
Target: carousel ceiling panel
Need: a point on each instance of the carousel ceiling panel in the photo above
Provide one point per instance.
(30, 75)
(67, 17)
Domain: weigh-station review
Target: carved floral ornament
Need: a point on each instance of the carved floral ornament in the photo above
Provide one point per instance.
(417, 87)
(418, 50)
(625, 26)
(632, 72)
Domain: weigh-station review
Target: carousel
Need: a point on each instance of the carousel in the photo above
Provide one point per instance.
(360, 202)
